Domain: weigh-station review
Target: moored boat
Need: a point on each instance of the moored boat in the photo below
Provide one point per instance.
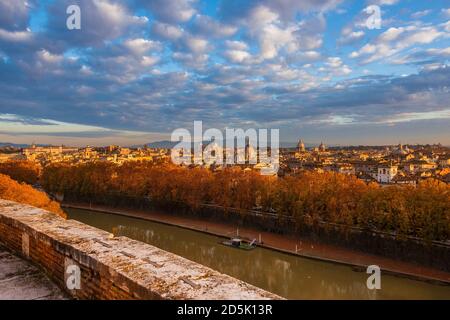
(240, 244)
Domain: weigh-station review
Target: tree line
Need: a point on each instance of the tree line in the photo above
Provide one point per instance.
(21, 170)
(310, 198)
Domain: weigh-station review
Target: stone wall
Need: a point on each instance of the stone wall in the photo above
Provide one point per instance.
(110, 267)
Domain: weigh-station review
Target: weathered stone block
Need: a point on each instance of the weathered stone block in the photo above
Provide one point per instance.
(111, 268)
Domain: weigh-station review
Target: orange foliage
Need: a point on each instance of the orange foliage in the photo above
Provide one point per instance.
(21, 170)
(23, 193)
(310, 198)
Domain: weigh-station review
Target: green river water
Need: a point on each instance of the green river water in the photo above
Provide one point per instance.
(289, 276)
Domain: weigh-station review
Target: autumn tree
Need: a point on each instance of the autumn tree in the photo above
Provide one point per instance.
(21, 170)
(309, 199)
(23, 193)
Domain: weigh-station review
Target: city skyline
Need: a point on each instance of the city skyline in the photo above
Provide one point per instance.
(137, 70)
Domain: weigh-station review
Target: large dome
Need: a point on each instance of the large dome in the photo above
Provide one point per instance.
(400, 150)
(322, 147)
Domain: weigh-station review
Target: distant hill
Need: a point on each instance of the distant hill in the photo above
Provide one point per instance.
(19, 145)
(165, 144)
(12, 145)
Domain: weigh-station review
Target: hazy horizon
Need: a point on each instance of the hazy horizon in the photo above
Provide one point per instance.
(283, 144)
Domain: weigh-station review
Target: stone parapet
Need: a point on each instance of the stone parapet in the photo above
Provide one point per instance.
(111, 267)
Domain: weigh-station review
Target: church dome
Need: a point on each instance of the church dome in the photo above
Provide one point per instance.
(322, 147)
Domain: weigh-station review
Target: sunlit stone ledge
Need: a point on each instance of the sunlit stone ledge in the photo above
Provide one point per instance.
(111, 267)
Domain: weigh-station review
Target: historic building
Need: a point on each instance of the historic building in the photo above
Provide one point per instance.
(322, 147)
(301, 146)
(386, 173)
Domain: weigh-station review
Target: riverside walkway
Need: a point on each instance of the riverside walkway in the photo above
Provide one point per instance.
(20, 280)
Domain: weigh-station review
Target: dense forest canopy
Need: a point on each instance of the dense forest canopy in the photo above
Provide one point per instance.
(21, 170)
(422, 211)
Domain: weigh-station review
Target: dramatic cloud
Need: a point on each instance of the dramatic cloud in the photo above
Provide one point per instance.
(14, 15)
(394, 40)
(171, 10)
(309, 67)
(167, 31)
(207, 26)
(101, 20)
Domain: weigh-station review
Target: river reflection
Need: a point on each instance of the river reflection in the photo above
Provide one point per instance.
(289, 276)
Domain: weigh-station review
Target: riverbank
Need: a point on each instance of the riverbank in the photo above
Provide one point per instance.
(287, 244)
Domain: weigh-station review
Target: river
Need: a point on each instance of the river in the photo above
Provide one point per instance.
(289, 276)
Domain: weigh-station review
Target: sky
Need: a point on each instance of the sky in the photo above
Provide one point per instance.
(320, 70)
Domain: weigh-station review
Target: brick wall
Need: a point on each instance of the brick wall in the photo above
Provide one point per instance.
(110, 267)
